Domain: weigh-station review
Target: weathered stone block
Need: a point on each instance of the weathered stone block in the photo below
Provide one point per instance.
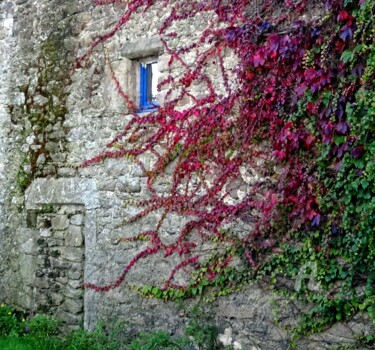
(67, 172)
(71, 253)
(62, 280)
(73, 306)
(41, 283)
(40, 100)
(128, 184)
(76, 219)
(29, 247)
(54, 242)
(57, 262)
(141, 48)
(60, 222)
(56, 299)
(107, 185)
(74, 275)
(63, 190)
(24, 234)
(26, 300)
(27, 268)
(69, 318)
(75, 284)
(59, 234)
(73, 236)
(45, 233)
(84, 17)
(115, 167)
(42, 299)
(73, 293)
(41, 160)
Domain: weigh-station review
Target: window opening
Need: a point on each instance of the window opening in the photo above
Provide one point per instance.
(149, 75)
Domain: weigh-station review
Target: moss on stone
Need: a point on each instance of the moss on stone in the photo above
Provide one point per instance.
(52, 76)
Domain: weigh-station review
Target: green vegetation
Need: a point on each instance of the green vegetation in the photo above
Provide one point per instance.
(43, 333)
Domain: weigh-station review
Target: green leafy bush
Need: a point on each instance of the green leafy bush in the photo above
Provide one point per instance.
(43, 333)
(157, 341)
(99, 339)
(10, 320)
(43, 326)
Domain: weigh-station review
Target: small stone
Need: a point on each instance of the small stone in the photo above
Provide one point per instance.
(60, 222)
(114, 167)
(69, 318)
(56, 299)
(30, 139)
(58, 234)
(41, 160)
(73, 293)
(27, 168)
(41, 283)
(29, 247)
(71, 253)
(48, 128)
(73, 236)
(62, 280)
(67, 172)
(35, 147)
(75, 284)
(40, 100)
(59, 263)
(74, 275)
(45, 232)
(108, 185)
(52, 147)
(129, 185)
(84, 17)
(54, 242)
(76, 219)
(42, 299)
(73, 306)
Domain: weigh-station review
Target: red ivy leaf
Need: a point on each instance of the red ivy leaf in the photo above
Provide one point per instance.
(300, 90)
(346, 32)
(357, 152)
(342, 127)
(343, 15)
(259, 59)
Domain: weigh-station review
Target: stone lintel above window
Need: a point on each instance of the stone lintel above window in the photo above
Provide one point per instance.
(142, 48)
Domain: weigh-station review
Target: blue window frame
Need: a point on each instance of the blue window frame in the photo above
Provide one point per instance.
(147, 84)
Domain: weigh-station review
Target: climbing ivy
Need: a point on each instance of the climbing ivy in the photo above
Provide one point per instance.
(301, 117)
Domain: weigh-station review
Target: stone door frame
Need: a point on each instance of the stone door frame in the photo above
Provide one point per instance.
(70, 191)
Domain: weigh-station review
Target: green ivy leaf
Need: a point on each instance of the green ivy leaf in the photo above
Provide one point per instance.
(347, 56)
(364, 183)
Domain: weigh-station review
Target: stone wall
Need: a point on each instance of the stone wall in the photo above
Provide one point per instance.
(32, 70)
(6, 53)
(60, 223)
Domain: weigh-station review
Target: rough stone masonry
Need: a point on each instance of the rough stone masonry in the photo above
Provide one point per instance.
(59, 222)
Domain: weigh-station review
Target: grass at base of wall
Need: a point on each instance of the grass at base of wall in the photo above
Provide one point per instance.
(10, 343)
(32, 343)
(43, 333)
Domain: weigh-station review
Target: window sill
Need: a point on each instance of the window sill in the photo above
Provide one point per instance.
(147, 110)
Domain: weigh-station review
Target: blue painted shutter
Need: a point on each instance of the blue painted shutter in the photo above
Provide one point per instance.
(143, 87)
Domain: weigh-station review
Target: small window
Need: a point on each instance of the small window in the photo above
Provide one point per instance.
(148, 81)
